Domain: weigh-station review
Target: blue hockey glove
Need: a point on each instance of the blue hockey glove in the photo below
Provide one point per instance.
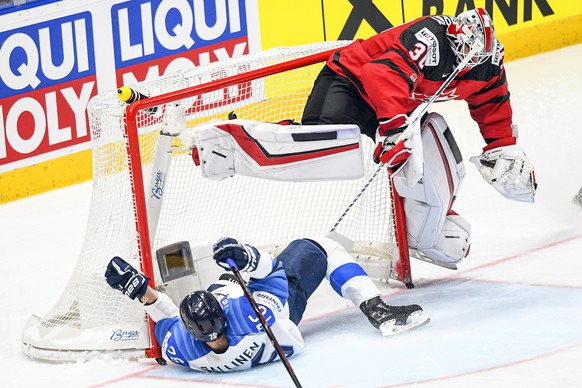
(245, 257)
(123, 277)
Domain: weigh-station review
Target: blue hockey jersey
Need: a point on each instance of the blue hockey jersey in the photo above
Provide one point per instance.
(249, 345)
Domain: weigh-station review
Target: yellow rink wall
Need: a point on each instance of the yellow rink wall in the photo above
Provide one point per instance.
(526, 27)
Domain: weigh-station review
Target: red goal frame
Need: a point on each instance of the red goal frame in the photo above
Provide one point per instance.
(401, 264)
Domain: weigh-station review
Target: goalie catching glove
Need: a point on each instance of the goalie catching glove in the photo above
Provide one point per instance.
(121, 276)
(389, 151)
(506, 167)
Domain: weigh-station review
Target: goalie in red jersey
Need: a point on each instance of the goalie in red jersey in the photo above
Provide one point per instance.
(377, 83)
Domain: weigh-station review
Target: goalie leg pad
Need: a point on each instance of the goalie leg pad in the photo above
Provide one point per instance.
(279, 152)
(452, 241)
(433, 229)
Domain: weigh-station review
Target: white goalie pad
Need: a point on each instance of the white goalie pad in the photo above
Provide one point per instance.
(279, 152)
(440, 235)
(414, 166)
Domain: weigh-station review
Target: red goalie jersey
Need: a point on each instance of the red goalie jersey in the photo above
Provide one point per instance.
(396, 70)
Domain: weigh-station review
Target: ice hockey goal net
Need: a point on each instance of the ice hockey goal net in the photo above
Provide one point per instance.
(272, 85)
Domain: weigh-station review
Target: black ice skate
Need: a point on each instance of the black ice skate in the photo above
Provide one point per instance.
(392, 319)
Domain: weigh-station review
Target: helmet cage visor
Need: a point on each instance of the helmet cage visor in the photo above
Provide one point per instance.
(468, 28)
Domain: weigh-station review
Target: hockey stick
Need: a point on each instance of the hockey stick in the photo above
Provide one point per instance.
(411, 125)
(270, 334)
(363, 189)
(477, 46)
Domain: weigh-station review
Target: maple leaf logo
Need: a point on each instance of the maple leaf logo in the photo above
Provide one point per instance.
(455, 29)
(447, 95)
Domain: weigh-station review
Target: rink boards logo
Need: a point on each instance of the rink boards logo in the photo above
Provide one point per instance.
(124, 335)
(47, 76)
(498, 56)
(152, 38)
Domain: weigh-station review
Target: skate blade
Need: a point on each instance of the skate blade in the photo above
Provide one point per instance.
(390, 328)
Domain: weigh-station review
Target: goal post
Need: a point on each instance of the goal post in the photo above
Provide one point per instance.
(148, 193)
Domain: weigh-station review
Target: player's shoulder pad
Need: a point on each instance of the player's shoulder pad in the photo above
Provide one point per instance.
(497, 58)
(225, 291)
(424, 27)
(443, 20)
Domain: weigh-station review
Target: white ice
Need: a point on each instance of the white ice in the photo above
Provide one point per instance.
(511, 316)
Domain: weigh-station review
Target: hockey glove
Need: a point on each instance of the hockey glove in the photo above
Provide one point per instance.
(508, 170)
(391, 152)
(123, 277)
(245, 257)
(388, 151)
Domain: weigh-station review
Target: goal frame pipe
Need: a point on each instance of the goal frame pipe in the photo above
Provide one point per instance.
(402, 264)
(134, 156)
(141, 222)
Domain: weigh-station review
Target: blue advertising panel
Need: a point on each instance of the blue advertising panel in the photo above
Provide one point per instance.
(47, 76)
(158, 37)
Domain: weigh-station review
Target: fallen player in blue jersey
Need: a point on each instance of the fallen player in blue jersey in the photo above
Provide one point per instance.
(218, 331)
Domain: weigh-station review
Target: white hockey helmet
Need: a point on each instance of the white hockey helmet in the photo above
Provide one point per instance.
(466, 29)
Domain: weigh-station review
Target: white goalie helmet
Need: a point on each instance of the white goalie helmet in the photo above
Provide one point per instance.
(466, 29)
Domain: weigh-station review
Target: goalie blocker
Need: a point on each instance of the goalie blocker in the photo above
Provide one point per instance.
(286, 151)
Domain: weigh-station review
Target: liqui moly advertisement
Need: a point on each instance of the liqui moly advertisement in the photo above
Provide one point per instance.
(47, 76)
(156, 38)
(50, 69)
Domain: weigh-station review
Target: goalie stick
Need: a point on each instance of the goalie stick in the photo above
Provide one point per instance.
(412, 131)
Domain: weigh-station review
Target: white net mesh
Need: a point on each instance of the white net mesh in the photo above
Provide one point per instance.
(256, 211)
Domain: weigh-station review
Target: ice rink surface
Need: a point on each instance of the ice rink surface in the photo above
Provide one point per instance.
(511, 316)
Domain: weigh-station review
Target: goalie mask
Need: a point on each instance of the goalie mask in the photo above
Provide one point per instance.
(466, 29)
(202, 315)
